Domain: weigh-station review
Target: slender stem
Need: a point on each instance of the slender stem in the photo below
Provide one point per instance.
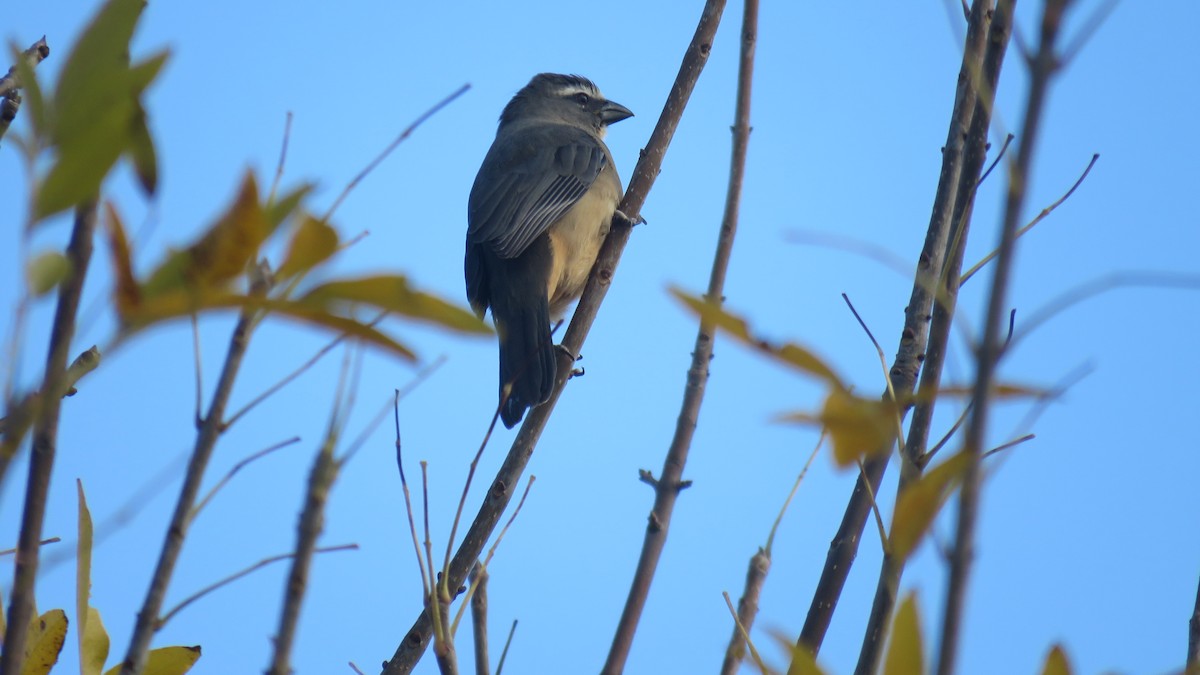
(1043, 68)
(479, 609)
(206, 441)
(669, 484)
(409, 651)
(1193, 652)
(914, 336)
(747, 609)
(312, 522)
(45, 440)
(914, 457)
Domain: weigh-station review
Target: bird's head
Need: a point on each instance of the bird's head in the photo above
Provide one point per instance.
(564, 99)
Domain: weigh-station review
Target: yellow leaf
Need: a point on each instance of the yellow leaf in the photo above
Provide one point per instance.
(279, 209)
(126, 294)
(47, 271)
(920, 502)
(802, 660)
(1056, 662)
(222, 252)
(905, 652)
(170, 660)
(392, 293)
(794, 355)
(44, 641)
(313, 243)
(93, 644)
(857, 427)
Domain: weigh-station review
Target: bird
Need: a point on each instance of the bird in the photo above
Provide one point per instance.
(539, 209)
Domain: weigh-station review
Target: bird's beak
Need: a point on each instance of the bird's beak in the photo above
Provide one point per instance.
(612, 112)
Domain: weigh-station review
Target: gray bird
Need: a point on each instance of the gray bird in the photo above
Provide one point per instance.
(538, 212)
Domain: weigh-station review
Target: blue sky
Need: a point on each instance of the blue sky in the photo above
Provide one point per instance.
(1086, 534)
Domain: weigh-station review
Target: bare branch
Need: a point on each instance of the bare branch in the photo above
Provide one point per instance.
(962, 162)
(238, 467)
(792, 493)
(287, 135)
(1044, 65)
(745, 635)
(206, 441)
(670, 481)
(10, 98)
(45, 440)
(507, 644)
(479, 607)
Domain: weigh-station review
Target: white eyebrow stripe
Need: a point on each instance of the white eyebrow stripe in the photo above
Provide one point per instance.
(578, 89)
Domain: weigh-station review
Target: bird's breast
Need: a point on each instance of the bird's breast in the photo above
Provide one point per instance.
(575, 240)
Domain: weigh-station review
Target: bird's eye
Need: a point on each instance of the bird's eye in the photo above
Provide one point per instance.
(582, 98)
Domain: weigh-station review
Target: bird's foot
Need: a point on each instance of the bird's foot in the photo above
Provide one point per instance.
(577, 372)
(620, 217)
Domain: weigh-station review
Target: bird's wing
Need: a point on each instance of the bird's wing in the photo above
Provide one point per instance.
(528, 180)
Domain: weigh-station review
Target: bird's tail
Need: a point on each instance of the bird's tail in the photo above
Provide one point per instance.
(526, 361)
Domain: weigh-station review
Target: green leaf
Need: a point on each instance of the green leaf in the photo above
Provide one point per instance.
(905, 651)
(920, 502)
(91, 77)
(84, 161)
(141, 152)
(45, 639)
(793, 355)
(47, 271)
(313, 243)
(1056, 662)
(392, 293)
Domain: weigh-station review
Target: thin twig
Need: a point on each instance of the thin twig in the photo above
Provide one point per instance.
(507, 643)
(412, 523)
(206, 440)
(795, 487)
(22, 414)
(10, 99)
(238, 575)
(479, 609)
(51, 540)
(304, 367)
(238, 467)
(287, 135)
(1193, 649)
(492, 550)
(745, 635)
(1043, 67)
(308, 530)
(392, 146)
(670, 481)
(409, 651)
(1090, 27)
(1010, 444)
(199, 369)
(747, 610)
(999, 156)
(1028, 226)
(45, 440)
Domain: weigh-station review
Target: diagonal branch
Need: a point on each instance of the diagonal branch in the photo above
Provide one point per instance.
(206, 441)
(644, 174)
(913, 456)
(915, 334)
(670, 481)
